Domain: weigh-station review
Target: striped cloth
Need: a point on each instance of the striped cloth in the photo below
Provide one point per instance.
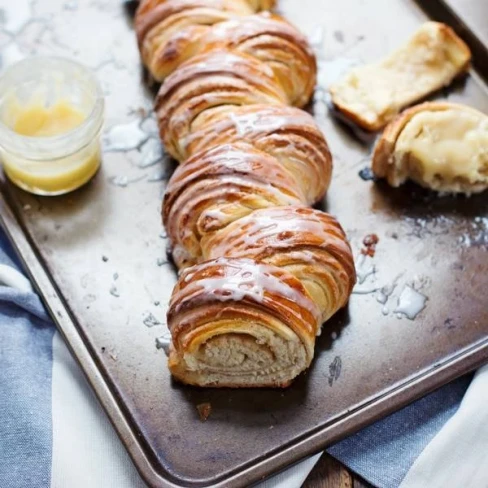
(53, 432)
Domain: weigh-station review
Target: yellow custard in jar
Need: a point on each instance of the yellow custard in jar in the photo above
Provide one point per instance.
(50, 131)
(39, 121)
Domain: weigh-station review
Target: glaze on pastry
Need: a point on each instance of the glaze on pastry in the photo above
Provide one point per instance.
(249, 314)
(213, 81)
(289, 134)
(218, 186)
(171, 31)
(265, 270)
(307, 243)
(273, 40)
(439, 145)
(240, 323)
(372, 95)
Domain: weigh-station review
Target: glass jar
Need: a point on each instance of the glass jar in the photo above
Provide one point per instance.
(57, 163)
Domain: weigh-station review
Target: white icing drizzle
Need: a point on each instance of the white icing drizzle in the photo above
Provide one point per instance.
(262, 225)
(254, 123)
(303, 256)
(248, 280)
(218, 191)
(231, 66)
(215, 213)
(246, 124)
(260, 122)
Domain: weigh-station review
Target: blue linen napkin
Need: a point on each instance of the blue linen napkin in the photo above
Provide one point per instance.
(25, 385)
(382, 453)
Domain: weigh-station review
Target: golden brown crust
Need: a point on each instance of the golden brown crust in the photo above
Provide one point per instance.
(211, 81)
(307, 242)
(262, 294)
(372, 95)
(263, 287)
(218, 186)
(288, 134)
(170, 31)
(228, 76)
(385, 146)
(356, 117)
(255, 310)
(258, 5)
(452, 38)
(274, 41)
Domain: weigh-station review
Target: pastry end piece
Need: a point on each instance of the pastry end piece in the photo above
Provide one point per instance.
(439, 145)
(372, 95)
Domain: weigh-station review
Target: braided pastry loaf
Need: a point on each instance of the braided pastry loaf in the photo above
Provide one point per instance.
(260, 270)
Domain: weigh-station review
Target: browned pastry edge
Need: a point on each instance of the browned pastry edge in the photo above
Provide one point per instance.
(185, 299)
(271, 129)
(383, 160)
(236, 175)
(150, 13)
(356, 118)
(281, 302)
(265, 236)
(450, 36)
(276, 42)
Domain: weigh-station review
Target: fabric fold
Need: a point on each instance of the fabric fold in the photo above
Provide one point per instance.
(384, 452)
(458, 454)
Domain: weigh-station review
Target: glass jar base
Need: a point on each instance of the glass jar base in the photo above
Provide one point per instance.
(74, 185)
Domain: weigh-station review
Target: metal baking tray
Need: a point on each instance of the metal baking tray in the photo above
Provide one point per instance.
(97, 257)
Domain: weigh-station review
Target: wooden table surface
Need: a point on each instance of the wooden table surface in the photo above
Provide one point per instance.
(329, 473)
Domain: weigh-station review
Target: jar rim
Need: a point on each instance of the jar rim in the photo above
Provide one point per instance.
(56, 145)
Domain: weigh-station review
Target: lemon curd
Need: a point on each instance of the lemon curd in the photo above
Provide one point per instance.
(39, 121)
(51, 113)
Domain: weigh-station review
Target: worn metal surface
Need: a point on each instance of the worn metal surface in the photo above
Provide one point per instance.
(98, 258)
(474, 14)
(469, 18)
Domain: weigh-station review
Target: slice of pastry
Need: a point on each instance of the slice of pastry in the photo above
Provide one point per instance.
(439, 145)
(373, 94)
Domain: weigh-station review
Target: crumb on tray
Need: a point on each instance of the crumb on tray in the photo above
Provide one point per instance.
(369, 243)
(204, 410)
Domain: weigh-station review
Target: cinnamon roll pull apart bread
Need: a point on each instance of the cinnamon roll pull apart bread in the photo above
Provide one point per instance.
(266, 271)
